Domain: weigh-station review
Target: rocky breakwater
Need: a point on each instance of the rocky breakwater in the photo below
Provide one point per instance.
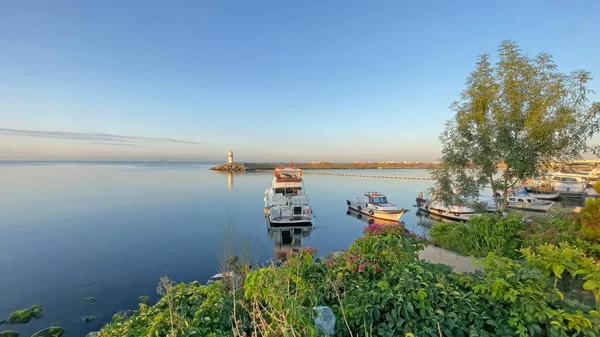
(229, 167)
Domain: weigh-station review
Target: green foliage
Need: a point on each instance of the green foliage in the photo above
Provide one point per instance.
(197, 311)
(9, 333)
(589, 217)
(25, 315)
(558, 228)
(529, 303)
(520, 113)
(488, 233)
(555, 260)
(377, 287)
(143, 299)
(53, 331)
(90, 299)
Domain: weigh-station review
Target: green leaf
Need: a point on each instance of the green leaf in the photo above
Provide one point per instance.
(558, 270)
(591, 285)
(409, 307)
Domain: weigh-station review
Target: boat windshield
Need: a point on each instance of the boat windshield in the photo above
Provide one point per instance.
(382, 200)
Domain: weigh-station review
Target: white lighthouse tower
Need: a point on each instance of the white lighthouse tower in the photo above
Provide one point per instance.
(230, 157)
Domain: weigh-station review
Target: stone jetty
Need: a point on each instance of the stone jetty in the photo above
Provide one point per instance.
(230, 167)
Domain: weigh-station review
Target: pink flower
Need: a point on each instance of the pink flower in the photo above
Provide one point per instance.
(361, 268)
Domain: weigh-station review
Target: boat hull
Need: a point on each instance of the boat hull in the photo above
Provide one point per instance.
(387, 215)
(456, 216)
(289, 222)
(542, 195)
(531, 208)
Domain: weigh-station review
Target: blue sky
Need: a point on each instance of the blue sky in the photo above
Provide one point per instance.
(273, 80)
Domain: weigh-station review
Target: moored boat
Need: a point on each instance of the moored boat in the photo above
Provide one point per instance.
(369, 219)
(285, 201)
(457, 212)
(526, 202)
(542, 192)
(376, 205)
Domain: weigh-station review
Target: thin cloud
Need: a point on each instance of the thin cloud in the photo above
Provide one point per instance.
(105, 138)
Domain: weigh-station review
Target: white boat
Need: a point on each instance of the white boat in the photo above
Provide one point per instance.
(526, 202)
(377, 206)
(568, 183)
(590, 176)
(457, 212)
(285, 201)
(369, 219)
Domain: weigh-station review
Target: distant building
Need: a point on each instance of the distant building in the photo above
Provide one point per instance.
(230, 157)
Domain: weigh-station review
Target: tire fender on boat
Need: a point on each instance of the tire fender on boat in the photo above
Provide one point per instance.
(457, 214)
(359, 208)
(371, 212)
(402, 223)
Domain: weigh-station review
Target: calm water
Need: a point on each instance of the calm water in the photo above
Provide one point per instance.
(73, 230)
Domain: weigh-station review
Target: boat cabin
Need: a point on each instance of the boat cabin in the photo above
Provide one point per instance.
(376, 198)
(288, 191)
(521, 199)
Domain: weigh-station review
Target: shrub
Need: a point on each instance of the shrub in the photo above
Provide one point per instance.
(590, 219)
(488, 233)
(378, 287)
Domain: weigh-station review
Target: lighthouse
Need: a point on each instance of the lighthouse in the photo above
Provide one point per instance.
(230, 157)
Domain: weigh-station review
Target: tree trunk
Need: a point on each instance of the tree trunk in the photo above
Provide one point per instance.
(505, 196)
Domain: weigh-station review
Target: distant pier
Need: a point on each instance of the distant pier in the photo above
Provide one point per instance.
(341, 166)
(367, 176)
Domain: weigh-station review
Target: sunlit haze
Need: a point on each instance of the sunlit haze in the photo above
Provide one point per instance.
(272, 80)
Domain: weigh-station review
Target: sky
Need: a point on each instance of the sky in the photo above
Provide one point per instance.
(338, 80)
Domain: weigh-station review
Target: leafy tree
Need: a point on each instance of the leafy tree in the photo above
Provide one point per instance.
(522, 113)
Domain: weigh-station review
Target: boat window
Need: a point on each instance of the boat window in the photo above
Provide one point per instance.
(279, 190)
(289, 190)
(379, 200)
(529, 200)
(511, 199)
(520, 200)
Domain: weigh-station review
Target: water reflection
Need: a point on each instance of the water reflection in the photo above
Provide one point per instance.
(368, 219)
(427, 219)
(287, 238)
(230, 177)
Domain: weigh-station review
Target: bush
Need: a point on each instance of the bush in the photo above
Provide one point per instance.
(484, 234)
(590, 220)
(377, 287)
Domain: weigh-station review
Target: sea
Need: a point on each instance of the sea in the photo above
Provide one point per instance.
(110, 230)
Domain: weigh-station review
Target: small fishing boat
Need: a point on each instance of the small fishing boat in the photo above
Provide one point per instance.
(457, 212)
(285, 201)
(369, 219)
(526, 202)
(376, 205)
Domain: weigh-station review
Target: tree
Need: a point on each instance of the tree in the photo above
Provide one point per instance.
(523, 113)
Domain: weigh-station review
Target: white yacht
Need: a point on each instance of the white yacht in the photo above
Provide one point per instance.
(285, 201)
(377, 206)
